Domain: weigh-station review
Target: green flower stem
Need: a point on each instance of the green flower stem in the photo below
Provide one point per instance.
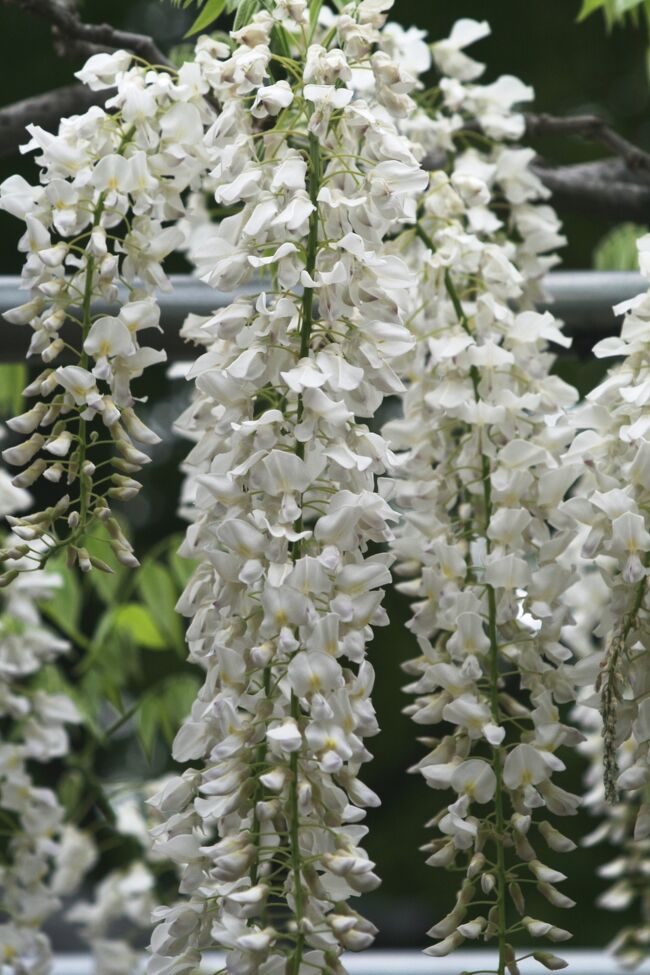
(85, 483)
(609, 685)
(67, 628)
(305, 339)
(260, 762)
(499, 818)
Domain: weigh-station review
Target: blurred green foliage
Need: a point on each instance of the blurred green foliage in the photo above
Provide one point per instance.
(128, 642)
(210, 10)
(13, 379)
(616, 11)
(617, 251)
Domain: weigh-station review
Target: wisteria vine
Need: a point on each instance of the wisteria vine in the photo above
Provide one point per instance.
(267, 828)
(479, 484)
(378, 237)
(98, 228)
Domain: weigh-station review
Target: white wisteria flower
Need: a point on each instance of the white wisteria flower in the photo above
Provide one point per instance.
(612, 447)
(267, 836)
(480, 480)
(35, 732)
(98, 227)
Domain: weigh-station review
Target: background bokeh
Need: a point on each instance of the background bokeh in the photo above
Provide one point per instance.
(574, 68)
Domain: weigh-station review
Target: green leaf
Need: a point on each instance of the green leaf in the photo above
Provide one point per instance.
(212, 10)
(105, 584)
(97, 687)
(615, 11)
(64, 607)
(139, 623)
(148, 723)
(182, 568)
(113, 695)
(71, 790)
(181, 53)
(164, 707)
(621, 7)
(245, 12)
(617, 250)
(111, 658)
(588, 7)
(13, 379)
(160, 595)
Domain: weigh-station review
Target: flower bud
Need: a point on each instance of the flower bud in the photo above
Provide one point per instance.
(552, 962)
(6, 578)
(554, 896)
(487, 883)
(29, 421)
(52, 352)
(556, 840)
(83, 559)
(547, 874)
(22, 453)
(30, 475)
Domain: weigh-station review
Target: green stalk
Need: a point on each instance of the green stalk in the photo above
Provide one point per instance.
(497, 767)
(498, 774)
(314, 11)
(305, 339)
(608, 684)
(85, 483)
(260, 757)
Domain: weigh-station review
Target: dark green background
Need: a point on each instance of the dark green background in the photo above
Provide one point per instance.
(573, 69)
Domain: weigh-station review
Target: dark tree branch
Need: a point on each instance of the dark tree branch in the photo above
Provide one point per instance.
(615, 189)
(594, 129)
(76, 39)
(46, 110)
(604, 189)
(67, 26)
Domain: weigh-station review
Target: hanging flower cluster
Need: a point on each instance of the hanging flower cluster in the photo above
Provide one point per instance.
(121, 905)
(611, 611)
(34, 731)
(613, 506)
(378, 239)
(266, 825)
(628, 871)
(481, 481)
(98, 227)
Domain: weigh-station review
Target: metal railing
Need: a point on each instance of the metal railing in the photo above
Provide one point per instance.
(582, 299)
(414, 963)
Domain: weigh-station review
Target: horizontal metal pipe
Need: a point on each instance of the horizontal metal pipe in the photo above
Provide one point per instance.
(582, 299)
(407, 963)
